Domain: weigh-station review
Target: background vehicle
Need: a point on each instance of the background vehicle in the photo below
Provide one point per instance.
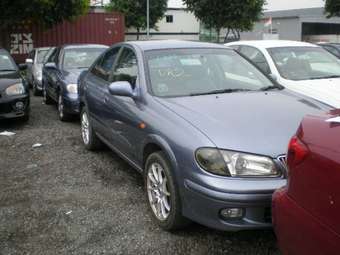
(61, 72)
(14, 91)
(35, 63)
(302, 67)
(333, 48)
(205, 127)
(306, 212)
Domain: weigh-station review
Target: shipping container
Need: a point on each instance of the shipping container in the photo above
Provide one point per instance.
(100, 28)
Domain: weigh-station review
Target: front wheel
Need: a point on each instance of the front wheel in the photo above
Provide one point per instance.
(63, 116)
(90, 140)
(46, 98)
(162, 193)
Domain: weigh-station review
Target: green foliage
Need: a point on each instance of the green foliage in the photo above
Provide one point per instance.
(46, 12)
(135, 12)
(238, 15)
(332, 8)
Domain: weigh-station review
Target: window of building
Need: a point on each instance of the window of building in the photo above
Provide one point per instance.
(169, 18)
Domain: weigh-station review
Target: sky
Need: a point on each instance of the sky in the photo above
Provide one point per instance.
(274, 5)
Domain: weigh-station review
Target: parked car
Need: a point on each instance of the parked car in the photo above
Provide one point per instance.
(302, 67)
(206, 128)
(306, 212)
(34, 64)
(333, 48)
(61, 72)
(14, 91)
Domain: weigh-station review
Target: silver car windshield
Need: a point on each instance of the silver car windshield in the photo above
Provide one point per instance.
(41, 56)
(81, 57)
(189, 72)
(305, 63)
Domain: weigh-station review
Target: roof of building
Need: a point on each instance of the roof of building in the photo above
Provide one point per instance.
(295, 13)
(272, 43)
(173, 44)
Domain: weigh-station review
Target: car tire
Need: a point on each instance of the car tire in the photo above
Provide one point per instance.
(167, 210)
(89, 137)
(63, 116)
(36, 92)
(46, 98)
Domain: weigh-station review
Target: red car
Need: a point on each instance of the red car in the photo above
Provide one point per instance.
(306, 213)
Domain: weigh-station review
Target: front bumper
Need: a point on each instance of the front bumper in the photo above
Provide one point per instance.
(9, 110)
(203, 203)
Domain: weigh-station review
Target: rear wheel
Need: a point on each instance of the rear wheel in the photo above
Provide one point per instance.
(90, 139)
(162, 193)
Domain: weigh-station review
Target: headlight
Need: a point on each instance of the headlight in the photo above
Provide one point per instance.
(72, 88)
(235, 164)
(16, 89)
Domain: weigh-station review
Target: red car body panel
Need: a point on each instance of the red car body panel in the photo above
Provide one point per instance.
(306, 213)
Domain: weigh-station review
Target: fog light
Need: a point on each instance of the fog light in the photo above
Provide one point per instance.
(232, 213)
(19, 106)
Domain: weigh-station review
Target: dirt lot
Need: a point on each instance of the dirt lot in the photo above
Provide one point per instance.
(61, 199)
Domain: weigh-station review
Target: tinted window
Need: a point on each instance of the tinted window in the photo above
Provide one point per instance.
(80, 57)
(6, 62)
(193, 71)
(332, 50)
(104, 66)
(256, 57)
(126, 68)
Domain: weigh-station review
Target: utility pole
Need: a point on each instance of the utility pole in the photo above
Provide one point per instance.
(147, 19)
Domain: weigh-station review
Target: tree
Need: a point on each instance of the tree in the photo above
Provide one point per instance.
(135, 12)
(235, 15)
(332, 8)
(45, 12)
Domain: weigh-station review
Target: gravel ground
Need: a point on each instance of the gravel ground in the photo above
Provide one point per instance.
(62, 199)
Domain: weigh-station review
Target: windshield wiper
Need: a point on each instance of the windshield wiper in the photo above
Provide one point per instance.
(7, 70)
(325, 77)
(220, 91)
(272, 87)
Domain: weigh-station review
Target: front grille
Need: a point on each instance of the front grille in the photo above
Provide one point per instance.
(268, 215)
(283, 160)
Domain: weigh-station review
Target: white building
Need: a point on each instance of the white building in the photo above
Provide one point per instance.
(177, 23)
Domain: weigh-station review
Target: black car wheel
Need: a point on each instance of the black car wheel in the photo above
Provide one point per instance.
(162, 193)
(63, 116)
(90, 140)
(36, 92)
(46, 98)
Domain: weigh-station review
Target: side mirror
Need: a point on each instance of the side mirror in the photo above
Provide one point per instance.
(121, 88)
(51, 65)
(29, 61)
(273, 77)
(22, 67)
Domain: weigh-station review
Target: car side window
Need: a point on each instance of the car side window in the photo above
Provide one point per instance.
(104, 66)
(127, 67)
(332, 50)
(256, 57)
(53, 56)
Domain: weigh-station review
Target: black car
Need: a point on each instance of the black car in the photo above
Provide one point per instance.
(61, 72)
(333, 48)
(14, 90)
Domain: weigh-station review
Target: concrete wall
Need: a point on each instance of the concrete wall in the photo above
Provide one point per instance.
(184, 27)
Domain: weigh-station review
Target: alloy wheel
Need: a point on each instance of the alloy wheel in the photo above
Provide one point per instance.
(158, 192)
(85, 131)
